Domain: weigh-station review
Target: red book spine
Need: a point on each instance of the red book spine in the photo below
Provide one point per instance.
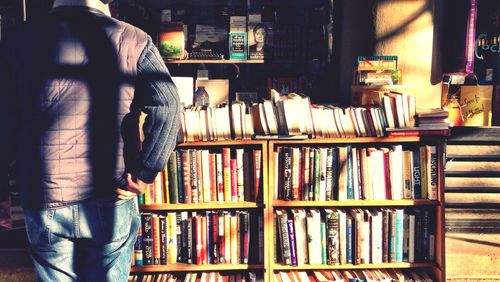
(156, 239)
(257, 161)
(220, 216)
(388, 192)
(204, 242)
(234, 180)
(199, 258)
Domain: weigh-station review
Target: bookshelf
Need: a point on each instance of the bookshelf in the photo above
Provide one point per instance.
(255, 208)
(436, 207)
(214, 61)
(269, 205)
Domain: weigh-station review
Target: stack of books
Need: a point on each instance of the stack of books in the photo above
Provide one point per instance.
(354, 275)
(431, 122)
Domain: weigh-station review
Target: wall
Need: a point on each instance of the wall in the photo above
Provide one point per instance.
(409, 29)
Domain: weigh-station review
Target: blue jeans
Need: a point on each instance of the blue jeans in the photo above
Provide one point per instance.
(91, 240)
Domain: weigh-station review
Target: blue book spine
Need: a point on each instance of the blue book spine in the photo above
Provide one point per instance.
(425, 235)
(399, 234)
(350, 180)
(348, 240)
(180, 181)
(293, 248)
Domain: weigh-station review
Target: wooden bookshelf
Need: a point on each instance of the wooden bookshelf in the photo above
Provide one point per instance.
(355, 203)
(254, 207)
(354, 266)
(214, 61)
(183, 267)
(201, 206)
(437, 266)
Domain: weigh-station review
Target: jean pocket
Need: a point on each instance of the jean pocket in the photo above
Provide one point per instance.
(115, 219)
(38, 226)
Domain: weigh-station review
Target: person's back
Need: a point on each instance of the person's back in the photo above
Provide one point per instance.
(75, 83)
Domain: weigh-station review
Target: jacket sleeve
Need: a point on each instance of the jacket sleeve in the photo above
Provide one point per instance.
(158, 98)
(8, 122)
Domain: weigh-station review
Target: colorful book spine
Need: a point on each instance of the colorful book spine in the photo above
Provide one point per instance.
(293, 248)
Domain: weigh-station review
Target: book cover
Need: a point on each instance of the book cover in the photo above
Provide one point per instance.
(171, 40)
(260, 40)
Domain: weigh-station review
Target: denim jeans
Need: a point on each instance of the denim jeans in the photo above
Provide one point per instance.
(91, 240)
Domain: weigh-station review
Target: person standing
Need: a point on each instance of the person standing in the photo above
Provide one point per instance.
(73, 85)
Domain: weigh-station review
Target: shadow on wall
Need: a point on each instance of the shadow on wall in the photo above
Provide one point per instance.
(408, 29)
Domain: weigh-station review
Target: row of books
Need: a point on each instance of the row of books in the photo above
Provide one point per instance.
(294, 114)
(195, 277)
(202, 176)
(208, 237)
(355, 236)
(365, 275)
(356, 173)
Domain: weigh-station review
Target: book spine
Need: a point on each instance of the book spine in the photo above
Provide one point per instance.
(147, 238)
(295, 175)
(173, 188)
(205, 172)
(186, 176)
(317, 174)
(386, 234)
(285, 241)
(423, 172)
(213, 176)
(417, 187)
(234, 180)
(215, 237)
(287, 174)
(393, 235)
(323, 242)
(322, 174)
(234, 239)
(332, 244)
(179, 178)
(349, 239)
(240, 180)
(245, 236)
(178, 232)
(306, 180)
(257, 162)
(350, 182)
(138, 248)
(329, 174)
(220, 177)
(399, 235)
(190, 232)
(172, 238)
(220, 233)
(163, 240)
(293, 248)
(432, 170)
(226, 164)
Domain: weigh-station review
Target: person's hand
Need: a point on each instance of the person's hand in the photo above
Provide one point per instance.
(135, 186)
(5, 213)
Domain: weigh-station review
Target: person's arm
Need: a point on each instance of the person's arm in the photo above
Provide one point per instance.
(157, 98)
(8, 127)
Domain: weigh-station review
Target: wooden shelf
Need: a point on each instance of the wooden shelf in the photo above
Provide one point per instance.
(201, 206)
(194, 267)
(354, 140)
(222, 143)
(354, 266)
(214, 61)
(355, 203)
